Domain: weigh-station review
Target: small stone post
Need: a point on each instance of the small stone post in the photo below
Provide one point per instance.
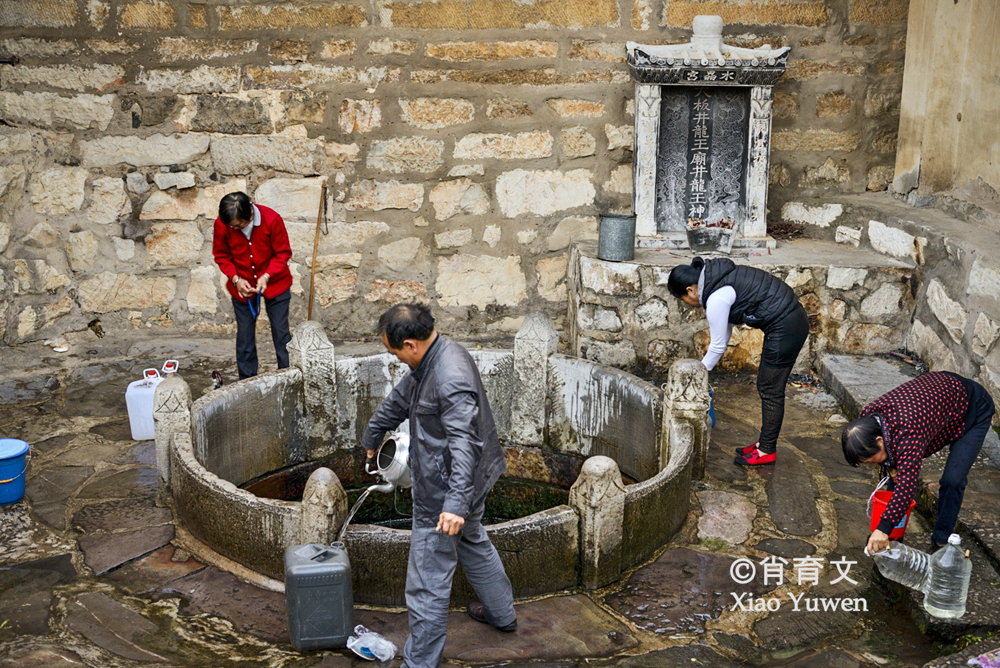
(324, 508)
(685, 413)
(598, 495)
(311, 352)
(171, 415)
(534, 342)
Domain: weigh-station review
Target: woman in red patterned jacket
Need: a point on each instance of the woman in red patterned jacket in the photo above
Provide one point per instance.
(914, 421)
(250, 245)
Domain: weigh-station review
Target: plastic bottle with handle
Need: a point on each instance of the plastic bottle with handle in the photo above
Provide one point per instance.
(905, 565)
(948, 587)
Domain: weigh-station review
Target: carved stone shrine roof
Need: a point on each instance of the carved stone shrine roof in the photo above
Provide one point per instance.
(706, 60)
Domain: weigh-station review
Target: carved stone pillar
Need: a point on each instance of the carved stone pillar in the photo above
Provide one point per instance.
(686, 411)
(324, 508)
(311, 352)
(534, 342)
(171, 415)
(598, 495)
(755, 223)
(647, 126)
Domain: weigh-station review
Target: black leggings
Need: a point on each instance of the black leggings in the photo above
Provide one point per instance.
(782, 343)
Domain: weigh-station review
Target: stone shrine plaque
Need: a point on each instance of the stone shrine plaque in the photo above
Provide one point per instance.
(702, 155)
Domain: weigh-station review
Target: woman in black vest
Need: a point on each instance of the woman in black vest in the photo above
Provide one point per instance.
(736, 295)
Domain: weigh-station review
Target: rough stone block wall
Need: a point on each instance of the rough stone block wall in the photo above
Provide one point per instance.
(955, 252)
(623, 315)
(466, 144)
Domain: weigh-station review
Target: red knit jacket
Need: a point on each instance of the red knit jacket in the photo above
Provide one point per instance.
(267, 251)
(919, 418)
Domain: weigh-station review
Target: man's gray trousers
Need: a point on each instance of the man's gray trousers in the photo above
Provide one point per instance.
(433, 557)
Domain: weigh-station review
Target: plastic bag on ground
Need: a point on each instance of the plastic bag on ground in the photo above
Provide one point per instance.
(370, 645)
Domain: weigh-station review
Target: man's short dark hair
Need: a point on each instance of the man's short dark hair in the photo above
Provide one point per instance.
(858, 439)
(406, 321)
(235, 206)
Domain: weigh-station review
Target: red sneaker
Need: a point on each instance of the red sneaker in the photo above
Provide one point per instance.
(746, 450)
(755, 458)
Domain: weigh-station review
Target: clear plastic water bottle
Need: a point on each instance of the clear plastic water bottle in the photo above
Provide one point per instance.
(949, 581)
(905, 565)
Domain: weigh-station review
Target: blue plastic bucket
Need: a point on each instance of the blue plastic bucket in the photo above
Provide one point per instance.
(13, 470)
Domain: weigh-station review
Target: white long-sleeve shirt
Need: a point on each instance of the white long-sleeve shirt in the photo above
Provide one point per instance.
(717, 311)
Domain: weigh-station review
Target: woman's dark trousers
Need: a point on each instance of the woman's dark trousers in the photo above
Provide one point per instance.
(782, 343)
(246, 333)
(962, 455)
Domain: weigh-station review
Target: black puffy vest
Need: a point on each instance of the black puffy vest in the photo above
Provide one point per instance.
(761, 299)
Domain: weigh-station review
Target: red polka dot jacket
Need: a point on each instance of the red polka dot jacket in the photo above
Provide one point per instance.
(919, 418)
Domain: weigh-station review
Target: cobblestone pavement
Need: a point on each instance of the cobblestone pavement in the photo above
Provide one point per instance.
(89, 575)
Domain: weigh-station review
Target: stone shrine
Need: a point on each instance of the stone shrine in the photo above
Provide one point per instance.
(702, 134)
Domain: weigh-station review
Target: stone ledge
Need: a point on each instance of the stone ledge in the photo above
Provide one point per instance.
(857, 381)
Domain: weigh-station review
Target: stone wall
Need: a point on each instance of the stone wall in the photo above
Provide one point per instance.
(954, 250)
(465, 145)
(623, 315)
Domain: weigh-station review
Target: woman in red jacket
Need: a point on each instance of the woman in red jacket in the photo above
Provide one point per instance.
(250, 245)
(913, 421)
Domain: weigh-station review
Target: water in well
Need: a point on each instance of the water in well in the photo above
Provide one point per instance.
(509, 499)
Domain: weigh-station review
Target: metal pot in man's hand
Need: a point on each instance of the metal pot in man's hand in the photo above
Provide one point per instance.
(392, 462)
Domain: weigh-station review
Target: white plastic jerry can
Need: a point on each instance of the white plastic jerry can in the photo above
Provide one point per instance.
(139, 400)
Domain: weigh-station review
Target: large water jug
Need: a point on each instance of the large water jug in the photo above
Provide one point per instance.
(139, 400)
(905, 565)
(949, 582)
(319, 596)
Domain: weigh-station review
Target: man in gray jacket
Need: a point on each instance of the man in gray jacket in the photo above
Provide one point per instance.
(455, 457)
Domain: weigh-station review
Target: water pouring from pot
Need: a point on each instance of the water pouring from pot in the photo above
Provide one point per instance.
(392, 465)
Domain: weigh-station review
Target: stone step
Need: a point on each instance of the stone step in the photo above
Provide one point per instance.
(856, 381)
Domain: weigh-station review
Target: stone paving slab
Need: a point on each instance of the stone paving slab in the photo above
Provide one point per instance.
(690, 655)
(114, 430)
(56, 483)
(791, 496)
(789, 548)
(110, 625)
(252, 610)
(678, 592)
(41, 656)
(153, 571)
(104, 551)
(135, 482)
(559, 627)
(120, 514)
(550, 629)
(26, 593)
(726, 516)
(142, 453)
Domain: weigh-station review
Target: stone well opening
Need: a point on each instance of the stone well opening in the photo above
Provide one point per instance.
(263, 464)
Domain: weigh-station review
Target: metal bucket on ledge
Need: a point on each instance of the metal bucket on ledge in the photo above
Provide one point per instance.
(616, 237)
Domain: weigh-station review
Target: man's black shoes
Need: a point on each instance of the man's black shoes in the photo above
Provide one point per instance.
(478, 612)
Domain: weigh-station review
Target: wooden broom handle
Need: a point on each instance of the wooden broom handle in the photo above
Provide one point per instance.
(312, 268)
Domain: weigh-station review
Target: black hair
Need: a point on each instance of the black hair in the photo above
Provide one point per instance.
(406, 321)
(235, 206)
(858, 439)
(683, 276)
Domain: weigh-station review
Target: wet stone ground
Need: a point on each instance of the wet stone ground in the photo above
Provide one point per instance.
(91, 575)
